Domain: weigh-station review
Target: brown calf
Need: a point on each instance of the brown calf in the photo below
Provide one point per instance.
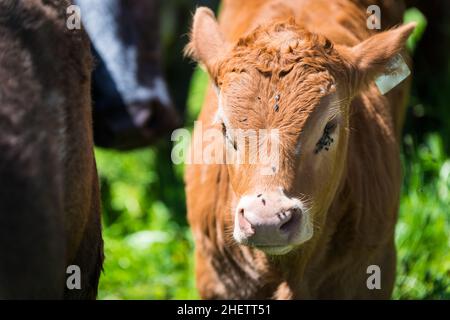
(328, 211)
(49, 195)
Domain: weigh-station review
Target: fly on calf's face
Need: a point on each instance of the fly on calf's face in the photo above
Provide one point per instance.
(326, 140)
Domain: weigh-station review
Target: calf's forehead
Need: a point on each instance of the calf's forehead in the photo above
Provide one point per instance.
(253, 100)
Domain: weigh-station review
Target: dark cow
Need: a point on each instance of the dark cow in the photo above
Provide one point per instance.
(49, 198)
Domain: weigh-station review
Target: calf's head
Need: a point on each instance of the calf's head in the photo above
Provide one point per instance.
(297, 86)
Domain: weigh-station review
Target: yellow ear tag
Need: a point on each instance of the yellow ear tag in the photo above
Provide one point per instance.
(396, 71)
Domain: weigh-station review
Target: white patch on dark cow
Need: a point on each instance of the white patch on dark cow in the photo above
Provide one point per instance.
(99, 19)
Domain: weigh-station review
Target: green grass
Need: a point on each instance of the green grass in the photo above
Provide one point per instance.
(414, 15)
(423, 231)
(149, 248)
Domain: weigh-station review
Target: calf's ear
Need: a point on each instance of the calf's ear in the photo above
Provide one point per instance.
(371, 57)
(207, 44)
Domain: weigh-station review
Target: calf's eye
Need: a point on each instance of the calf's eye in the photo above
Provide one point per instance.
(326, 140)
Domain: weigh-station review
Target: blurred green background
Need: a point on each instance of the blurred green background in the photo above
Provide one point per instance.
(148, 245)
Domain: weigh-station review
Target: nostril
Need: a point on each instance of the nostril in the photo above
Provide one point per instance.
(292, 222)
(244, 224)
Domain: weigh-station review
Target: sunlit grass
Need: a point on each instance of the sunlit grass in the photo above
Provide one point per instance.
(423, 232)
(148, 255)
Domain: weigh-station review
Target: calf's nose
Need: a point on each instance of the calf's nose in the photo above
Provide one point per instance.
(268, 219)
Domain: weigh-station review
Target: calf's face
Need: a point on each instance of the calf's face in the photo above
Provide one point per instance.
(300, 116)
(284, 96)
